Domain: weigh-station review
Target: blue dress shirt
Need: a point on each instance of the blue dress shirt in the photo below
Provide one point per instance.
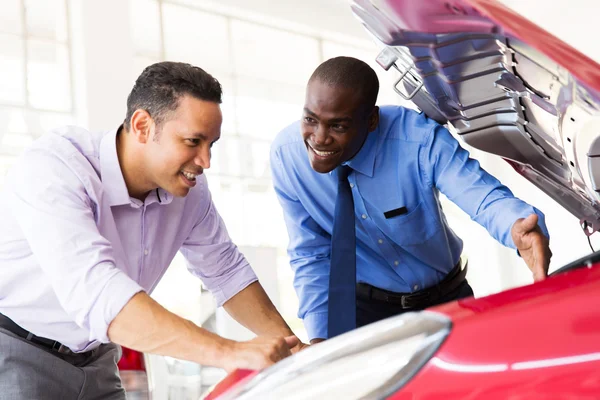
(405, 162)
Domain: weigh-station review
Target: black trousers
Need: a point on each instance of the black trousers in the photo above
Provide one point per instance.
(369, 311)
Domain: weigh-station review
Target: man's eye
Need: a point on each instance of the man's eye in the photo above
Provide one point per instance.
(338, 127)
(309, 120)
(193, 142)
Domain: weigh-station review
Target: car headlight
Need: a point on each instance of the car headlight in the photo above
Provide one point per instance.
(371, 362)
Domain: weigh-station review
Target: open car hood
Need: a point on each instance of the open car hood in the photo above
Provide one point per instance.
(503, 84)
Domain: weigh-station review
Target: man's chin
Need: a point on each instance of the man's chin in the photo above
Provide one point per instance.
(322, 168)
(178, 191)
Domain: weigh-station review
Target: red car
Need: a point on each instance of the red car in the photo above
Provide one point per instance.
(133, 368)
(507, 87)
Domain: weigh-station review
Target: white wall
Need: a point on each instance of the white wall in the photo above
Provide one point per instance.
(263, 260)
(331, 18)
(103, 56)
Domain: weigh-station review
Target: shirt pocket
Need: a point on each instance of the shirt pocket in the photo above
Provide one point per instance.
(413, 228)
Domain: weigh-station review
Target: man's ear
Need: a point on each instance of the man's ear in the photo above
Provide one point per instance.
(373, 119)
(141, 125)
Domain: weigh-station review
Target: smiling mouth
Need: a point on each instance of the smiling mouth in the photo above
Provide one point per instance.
(322, 154)
(189, 177)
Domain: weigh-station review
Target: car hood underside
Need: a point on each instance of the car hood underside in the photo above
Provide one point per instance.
(503, 85)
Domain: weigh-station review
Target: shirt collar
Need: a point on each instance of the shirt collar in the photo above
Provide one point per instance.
(112, 176)
(364, 160)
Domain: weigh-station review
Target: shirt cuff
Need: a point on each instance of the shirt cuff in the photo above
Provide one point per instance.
(116, 294)
(542, 222)
(235, 284)
(316, 325)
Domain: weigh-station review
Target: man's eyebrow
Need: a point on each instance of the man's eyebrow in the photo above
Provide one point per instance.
(343, 119)
(307, 111)
(333, 120)
(197, 135)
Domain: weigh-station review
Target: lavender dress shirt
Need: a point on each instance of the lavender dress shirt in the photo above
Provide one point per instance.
(74, 247)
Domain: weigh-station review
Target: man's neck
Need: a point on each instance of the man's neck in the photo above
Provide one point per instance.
(130, 161)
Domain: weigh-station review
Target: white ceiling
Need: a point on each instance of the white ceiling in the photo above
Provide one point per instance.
(331, 17)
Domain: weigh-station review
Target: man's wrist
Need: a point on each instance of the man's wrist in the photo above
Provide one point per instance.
(221, 353)
(210, 348)
(287, 331)
(280, 328)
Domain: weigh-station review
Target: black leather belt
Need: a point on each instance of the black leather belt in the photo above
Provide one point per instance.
(50, 344)
(417, 300)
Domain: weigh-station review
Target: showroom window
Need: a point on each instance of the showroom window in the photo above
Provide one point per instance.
(35, 76)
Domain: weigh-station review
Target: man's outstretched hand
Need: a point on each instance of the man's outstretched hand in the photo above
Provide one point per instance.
(533, 245)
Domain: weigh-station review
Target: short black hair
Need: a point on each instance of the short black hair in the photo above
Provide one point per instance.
(160, 86)
(348, 72)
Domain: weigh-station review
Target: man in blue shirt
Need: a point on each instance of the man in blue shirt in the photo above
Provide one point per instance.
(397, 162)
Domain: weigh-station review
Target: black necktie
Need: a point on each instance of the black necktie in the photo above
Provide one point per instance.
(342, 272)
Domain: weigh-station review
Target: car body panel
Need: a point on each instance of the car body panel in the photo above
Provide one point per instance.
(536, 341)
(232, 379)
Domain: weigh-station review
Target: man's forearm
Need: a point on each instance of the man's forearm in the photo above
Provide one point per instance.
(146, 326)
(253, 309)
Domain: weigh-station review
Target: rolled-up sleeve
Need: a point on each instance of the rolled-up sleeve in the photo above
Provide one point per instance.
(482, 196)
(56, 215)
(213, 257)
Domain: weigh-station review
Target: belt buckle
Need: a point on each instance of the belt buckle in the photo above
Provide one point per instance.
(60, 348)
(411, 300)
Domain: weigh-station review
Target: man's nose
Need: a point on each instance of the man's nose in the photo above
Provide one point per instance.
(203, 157)
(320, 136)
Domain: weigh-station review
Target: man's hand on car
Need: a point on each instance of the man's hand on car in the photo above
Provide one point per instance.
(258, 353)
(533, 245)
(300, 346)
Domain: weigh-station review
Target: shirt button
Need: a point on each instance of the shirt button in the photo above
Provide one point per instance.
(364, 216)
(380, 241)
(146, 252)
(416, 287)
(352, 185)
(396, 262)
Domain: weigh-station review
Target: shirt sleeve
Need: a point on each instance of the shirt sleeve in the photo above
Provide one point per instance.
(55, 214)
(213, 257)
(309, 251)
(491, 204)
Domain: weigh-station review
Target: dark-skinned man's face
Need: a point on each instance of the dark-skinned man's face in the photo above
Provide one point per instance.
(334, 125)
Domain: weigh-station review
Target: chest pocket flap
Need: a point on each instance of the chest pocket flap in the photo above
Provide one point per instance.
(414, 227)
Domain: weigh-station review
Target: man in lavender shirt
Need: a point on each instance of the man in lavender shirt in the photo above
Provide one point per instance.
(90, 223)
